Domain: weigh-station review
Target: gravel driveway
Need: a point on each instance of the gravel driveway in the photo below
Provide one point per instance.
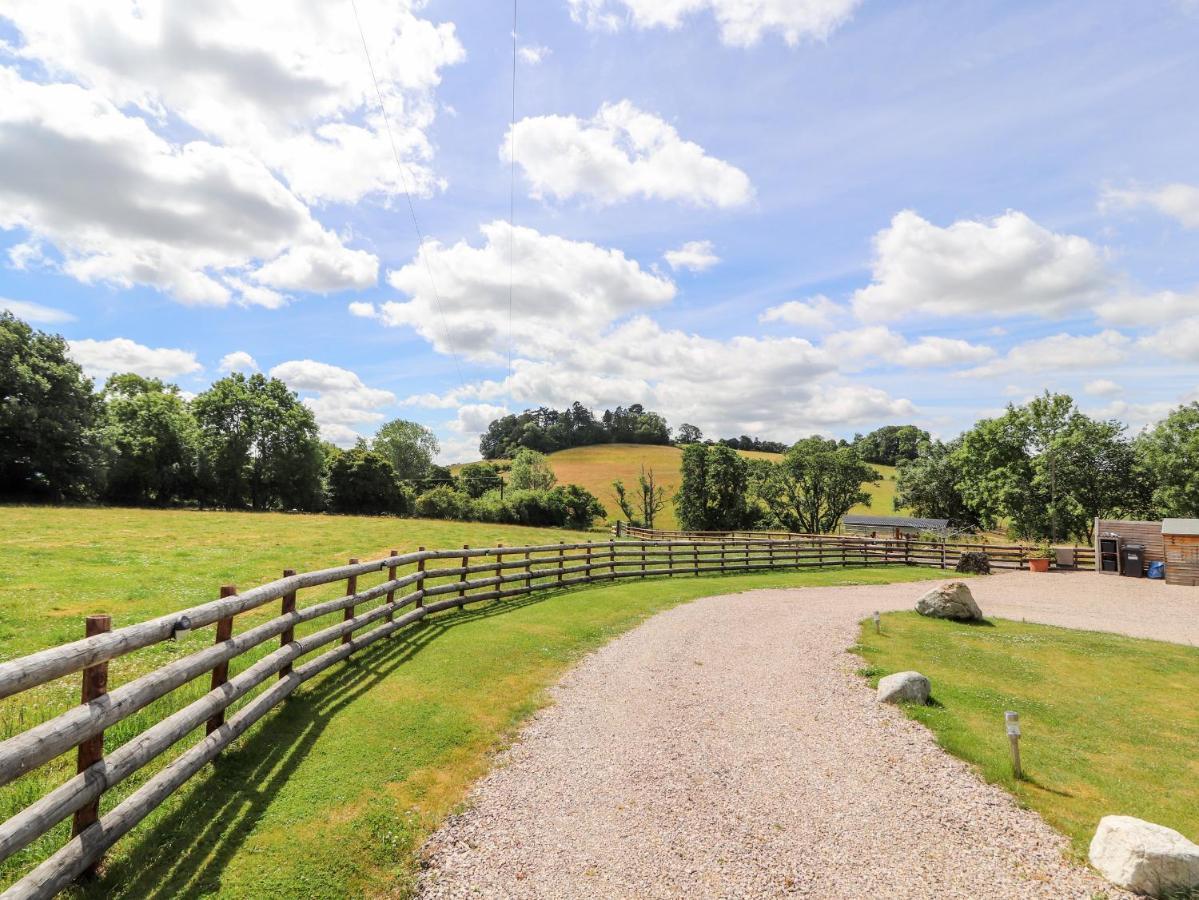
(725, 748)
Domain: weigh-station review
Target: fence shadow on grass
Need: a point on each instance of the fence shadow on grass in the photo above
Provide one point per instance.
(186, 852)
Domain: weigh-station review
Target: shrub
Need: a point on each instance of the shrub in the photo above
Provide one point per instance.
(974, 562)
(581, 506)
(361, 481)
(444, 503)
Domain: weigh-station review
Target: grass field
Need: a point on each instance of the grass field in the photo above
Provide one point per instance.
(330, 795)
(596, 467)
(1110, 723)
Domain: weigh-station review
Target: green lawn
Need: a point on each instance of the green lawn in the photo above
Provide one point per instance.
(330, 795)
(1111, 724)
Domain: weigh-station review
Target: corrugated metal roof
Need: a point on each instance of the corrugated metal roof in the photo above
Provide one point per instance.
(897, 522)
(1180, 526)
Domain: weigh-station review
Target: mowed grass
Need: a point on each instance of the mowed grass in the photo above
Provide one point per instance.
(332, 794)
(1110, 723)
(596, 467)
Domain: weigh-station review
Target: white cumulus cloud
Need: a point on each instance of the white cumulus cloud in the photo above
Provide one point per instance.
(1005, 266)
(1179, 201)
(1102, 387)
(816, 312)
(35, 312)
(237, 361)
(694, 256)
(742, 22)
(337, 397)
(1179, 340)
(621, 153)
(1059, 352)
(877, 345)
(100, 359)
(562, 290)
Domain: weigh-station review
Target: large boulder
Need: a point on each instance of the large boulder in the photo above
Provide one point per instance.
(950, 601)
(1146, 858)
(903, 687)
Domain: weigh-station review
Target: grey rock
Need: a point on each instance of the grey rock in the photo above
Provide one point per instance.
(903, 687)
(950, 601)
(1143, 857)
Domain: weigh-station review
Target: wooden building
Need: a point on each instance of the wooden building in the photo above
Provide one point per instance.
(893, 527)
(1181, 539)
(1129, 532)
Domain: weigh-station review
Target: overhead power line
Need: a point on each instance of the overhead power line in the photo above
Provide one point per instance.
(403, 172)
(512, 199)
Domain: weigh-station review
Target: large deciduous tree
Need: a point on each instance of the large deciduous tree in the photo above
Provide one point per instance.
(258, 445)
(1168, 455)
(929, 486)
(362, 481)
(815, 485)
(531, 472)
(713, 493)
(410, 448)
(151, 441)
(48, 409)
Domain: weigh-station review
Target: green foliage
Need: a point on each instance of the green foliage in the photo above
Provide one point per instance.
(364, 482)
(548, 430)
(581, 507)
(444, 502)
(258, 445)
(928, 486)
(477, 478)
(745, 442)
(1168, 457)
(712, 494)
(643, 507)
(531, 472)
(410, 448)
(151, 441)
(47, 413)
(817, 482)
(688, 434)
(891, 444)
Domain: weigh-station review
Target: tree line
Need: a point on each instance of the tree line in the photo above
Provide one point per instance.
(247, 442)
(1046, 470)
(549, 430)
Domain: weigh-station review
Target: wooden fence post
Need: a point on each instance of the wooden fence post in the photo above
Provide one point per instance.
(669, 560)
(611, 560)
(561, 560)
(351, 590)
(499, 568)
(722, 551)
(391, 576)
(462, 578)
(942, 554)
(528, 574)
(289, 634)
(587, 564)
(618, 523)
(695, 555)
(420, 569)
(220, 672)
(643, 558)
(91, 751)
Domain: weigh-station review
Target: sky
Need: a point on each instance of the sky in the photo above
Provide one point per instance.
(764, 217)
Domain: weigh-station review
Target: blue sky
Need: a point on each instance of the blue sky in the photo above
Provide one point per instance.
(775, 217)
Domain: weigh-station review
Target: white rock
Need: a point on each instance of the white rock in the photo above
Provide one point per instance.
(1142, 857)
(903, 687)
(949, 601)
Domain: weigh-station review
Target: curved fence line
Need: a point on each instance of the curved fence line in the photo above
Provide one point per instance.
(414, 586)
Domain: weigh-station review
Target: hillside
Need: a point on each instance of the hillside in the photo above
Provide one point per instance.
(596, 467)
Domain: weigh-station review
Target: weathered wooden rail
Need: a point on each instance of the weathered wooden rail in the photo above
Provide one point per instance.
(415, 585)
(943, 554)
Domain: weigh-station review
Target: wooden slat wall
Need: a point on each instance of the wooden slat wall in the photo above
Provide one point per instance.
(1182, 558)
(1147, 533)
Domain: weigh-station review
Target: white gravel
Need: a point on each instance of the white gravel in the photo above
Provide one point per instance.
(726, 748)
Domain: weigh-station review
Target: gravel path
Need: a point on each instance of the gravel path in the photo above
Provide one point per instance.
(725, 748)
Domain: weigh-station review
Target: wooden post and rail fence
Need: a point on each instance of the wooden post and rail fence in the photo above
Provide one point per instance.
(281, 653)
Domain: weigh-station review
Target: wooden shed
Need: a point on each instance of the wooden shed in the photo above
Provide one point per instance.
(1181, 539)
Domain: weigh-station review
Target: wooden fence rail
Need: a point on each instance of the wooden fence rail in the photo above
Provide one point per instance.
(413, 586)
(943, 554)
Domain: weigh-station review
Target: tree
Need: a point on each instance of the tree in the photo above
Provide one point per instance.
(814, 486)
(713, 492)
(891, 444)
(477, 478)
(531, 472)
(151, 441)
(928, 486)
(410, 448)
(644, 506)
(47, 413)
(362, 481)
(258, 445)
(581, 507)
(1169, 455)
(688, 434)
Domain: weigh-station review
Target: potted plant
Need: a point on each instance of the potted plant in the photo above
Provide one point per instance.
(1039, 557)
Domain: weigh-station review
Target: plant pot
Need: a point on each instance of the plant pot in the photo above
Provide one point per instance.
(1038, 565)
